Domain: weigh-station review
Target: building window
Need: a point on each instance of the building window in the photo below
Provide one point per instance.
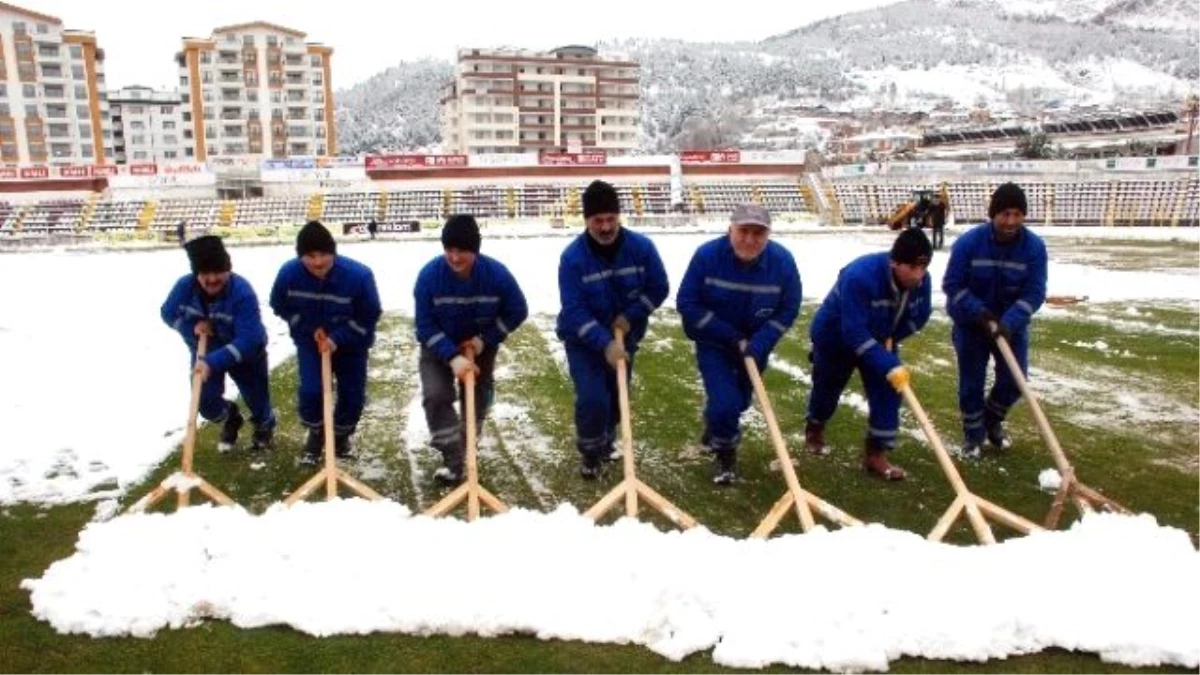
(272, 41)
(82, 111)
(187, 117)
(3, 90)
(80, 91)
(170, 154)
(76, 52)
(170, 140)
(188, 152)
(19, 27)
(168, 125)
(29, 90)
(140, 154)
(137, 110)
(31, 110)
(77, 72)
(85, 150)
(137, 140)
(59, 150)
(108, 152)
(137, 125)
(43, 28)
(316, 61)
(166, 109)
(85, 131)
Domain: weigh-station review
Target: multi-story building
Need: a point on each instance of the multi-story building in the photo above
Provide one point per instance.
(147, 125)
(52, 102)
(569, 99)
(256, 89)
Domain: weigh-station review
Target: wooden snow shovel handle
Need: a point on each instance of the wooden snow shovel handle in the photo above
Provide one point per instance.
(627, 463)
(1060, 457)
(472, 457)
(327, 412)
(785, 460)
(189, 438)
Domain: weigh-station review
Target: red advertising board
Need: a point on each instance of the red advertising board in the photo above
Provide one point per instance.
(8, 173)
(593, 158)
(710, 157)
(35, 172)
(73, 171)
(143, 169)
(378, 162)
(104, 170)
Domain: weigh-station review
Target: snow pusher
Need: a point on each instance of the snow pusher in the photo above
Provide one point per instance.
(185, 480)
(330, 474)
(976, 507)
(470, 489)
(1084, 497)
(631, 487)
(803, 501)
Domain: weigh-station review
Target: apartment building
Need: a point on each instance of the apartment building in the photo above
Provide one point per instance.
(147, 125)
(570, 99)
(256, 89)
(52, 101)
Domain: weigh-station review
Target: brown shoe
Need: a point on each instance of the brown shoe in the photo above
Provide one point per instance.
(875, 462)
(814, 438)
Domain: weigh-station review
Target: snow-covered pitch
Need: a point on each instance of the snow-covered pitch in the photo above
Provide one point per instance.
(97, 389)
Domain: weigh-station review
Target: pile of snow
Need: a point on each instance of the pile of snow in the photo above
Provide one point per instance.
(853, 599)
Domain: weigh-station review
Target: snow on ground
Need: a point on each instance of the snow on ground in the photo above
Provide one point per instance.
(98, 386)
(136, 575)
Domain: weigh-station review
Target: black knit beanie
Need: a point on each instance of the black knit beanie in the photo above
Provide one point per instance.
(208, 254)
(912, 247)
(314, 237)
(461, 232)
(1008, 196)
(600, 197)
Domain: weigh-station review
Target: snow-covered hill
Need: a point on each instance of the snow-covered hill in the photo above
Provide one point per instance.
(911, 55)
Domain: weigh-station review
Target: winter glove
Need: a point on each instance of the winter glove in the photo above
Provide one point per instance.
(899, 377)
(992, 326)
(614, 353)
(475, 344)
(203, 327)
(461, 366)
(621, 324)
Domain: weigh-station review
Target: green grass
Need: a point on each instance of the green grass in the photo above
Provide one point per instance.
(527, 458)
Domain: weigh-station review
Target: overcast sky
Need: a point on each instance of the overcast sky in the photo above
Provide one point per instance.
(140, 37)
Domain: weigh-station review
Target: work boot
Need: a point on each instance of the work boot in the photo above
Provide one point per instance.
(971, 450)
(447, 476)
(262, 439)
(589, 466)
(725, 471)
(451, 472)
(229, 430)
(814, 438)
(342, 447)
(314, 444)
(875, 462)
(996, 435)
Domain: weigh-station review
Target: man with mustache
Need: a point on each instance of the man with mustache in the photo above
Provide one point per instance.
(609, 279)
(214, 301)
(994, 283)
